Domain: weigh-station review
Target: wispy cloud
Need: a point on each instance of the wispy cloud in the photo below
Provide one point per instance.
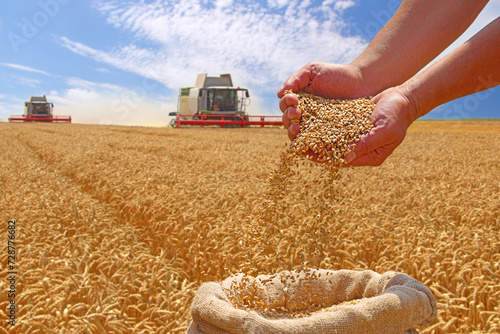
(260, 45)
(89, 85)
(343, 4)
(25, 68)
(102, 70)
(30, 82)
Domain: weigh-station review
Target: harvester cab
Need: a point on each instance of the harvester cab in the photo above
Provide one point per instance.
(38, 105)
(38, 109)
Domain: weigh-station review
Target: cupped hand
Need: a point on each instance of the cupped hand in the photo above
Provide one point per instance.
(322, 79)
(392, 116)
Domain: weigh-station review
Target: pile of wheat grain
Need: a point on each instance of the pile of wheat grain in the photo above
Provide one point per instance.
(118, 226)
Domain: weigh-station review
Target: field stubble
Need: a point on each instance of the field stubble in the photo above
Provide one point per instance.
(118, 226)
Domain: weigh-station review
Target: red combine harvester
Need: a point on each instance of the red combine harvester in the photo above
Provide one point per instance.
(215, 101)
(39, 110)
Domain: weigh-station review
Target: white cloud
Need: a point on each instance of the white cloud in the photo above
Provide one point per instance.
(277, 3)
(102, 70)
(224, 3)
(343, 4)
(30, 82)
(24, 68)
(77, 95)
(259, 45)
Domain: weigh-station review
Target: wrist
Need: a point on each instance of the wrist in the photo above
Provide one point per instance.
(360, 88)
(372, 81)
(413, 108)
(420, 102)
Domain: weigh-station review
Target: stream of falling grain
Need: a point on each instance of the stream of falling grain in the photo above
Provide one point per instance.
(328, 127)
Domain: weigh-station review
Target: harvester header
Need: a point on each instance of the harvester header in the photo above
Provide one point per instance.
(38, 109)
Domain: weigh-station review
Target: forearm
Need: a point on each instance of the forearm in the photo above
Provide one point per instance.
(471, 68)
(418, 32)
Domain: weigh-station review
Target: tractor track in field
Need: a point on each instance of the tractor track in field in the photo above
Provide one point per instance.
(93, 192)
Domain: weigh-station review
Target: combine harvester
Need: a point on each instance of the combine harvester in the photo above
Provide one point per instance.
(39, 110)
(215, 101)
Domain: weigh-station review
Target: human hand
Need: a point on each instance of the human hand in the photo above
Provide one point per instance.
(392, 116)
(322, 79)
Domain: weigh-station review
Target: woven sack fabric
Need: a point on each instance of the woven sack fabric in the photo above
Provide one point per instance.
(389, 303)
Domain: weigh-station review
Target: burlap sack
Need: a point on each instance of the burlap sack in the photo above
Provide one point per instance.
(393, 303)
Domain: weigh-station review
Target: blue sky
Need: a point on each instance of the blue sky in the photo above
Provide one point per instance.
(122, 62)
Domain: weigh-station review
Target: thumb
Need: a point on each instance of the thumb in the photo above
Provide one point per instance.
(298, 81)
(367, 143)
(364, 145)
(358, 149)
(364, 151)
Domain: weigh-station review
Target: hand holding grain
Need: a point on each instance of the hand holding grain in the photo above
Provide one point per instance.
(392, 116)
(322, 79)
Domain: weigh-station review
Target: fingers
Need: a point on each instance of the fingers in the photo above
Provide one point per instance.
(372, 158)
(290, 115)
(368, 151)
(365, 144)
(365, 153)
(350, 157)
(290, 112)
(373, 148)
(288, 100)
(297, 82)
(293, 131)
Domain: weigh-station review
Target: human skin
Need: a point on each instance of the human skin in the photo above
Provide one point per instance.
(416, 34)
(471, 68)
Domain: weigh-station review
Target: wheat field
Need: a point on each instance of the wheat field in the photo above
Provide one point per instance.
(118, 226)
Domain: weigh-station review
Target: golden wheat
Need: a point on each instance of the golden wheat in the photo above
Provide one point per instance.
(118, 226)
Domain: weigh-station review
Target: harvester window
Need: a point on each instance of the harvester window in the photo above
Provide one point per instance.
(224, 100)
(40, 109)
